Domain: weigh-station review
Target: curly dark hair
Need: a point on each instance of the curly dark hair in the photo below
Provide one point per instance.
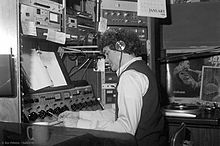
(130, 38)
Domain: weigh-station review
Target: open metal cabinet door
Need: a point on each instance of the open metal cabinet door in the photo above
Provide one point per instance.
(10, 105)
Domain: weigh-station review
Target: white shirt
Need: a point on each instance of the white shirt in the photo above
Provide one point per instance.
(132, 86)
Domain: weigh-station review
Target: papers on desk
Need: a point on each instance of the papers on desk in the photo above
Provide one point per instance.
(179, 114)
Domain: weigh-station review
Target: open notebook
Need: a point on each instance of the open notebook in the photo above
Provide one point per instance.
(42, 69)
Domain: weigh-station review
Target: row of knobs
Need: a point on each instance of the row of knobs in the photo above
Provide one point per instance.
(74, 107)
(123, 16)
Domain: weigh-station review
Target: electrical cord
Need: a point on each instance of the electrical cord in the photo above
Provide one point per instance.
(80, 67)
(86, 69)
(119, 66)
(116, 103)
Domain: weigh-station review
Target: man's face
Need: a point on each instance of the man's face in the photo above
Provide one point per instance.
(186, 64)
(112, 57)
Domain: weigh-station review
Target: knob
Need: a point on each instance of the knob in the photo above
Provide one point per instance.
(42, 114)
(57, 110)
(139, 21)
(84, 104)
(33, 116)
(79, 106)
(73, 107)
(89, 103)
(50, 110)
(64, 108)
(36, 100)
(125, 14)
(26, 101)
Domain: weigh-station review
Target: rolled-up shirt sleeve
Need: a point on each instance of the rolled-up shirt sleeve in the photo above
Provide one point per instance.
(107, 114)
(133, 85)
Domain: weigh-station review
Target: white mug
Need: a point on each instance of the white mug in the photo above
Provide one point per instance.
(37, 133)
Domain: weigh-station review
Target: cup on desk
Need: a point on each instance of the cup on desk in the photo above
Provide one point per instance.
(38, 132)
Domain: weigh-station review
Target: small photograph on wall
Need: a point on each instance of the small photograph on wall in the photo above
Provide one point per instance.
(184, 75)
(210, 84)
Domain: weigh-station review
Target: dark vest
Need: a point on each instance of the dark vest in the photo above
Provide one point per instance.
(151, 122)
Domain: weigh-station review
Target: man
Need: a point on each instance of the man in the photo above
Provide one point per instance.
(138, 111)
(187, 80)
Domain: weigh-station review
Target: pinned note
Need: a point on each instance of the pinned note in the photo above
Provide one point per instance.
(57, 37)
(152, 8)
(102, 25)
(29, 28)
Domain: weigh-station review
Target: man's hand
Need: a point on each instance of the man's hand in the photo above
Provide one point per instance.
(70, 122)
(68, 115)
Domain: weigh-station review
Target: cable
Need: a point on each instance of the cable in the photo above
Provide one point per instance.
(71, 69)
(116, 103)
(86, 69)
(119, 66)
(80, 67)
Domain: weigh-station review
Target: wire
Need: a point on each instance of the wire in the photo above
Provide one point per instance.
(86, 68)
(80, 67)
(119, 66)
(116, 103)
(72, 69)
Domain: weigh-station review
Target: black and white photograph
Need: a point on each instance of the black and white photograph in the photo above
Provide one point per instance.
(110, 72)
(210, 84)
(183, 76)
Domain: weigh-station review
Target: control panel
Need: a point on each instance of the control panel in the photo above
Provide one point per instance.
(109, 81)
(110, 87)
(80, 28)
(49, 5)
(121, 18)
(40, 15)
(39, 106)
(122, 13)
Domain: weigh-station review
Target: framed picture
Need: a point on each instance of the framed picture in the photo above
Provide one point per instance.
(210, 84)
(183, 76)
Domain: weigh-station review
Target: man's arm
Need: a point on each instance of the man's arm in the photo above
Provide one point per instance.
(132, 86)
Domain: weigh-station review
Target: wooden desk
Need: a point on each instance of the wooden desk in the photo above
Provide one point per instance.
(16, 133)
